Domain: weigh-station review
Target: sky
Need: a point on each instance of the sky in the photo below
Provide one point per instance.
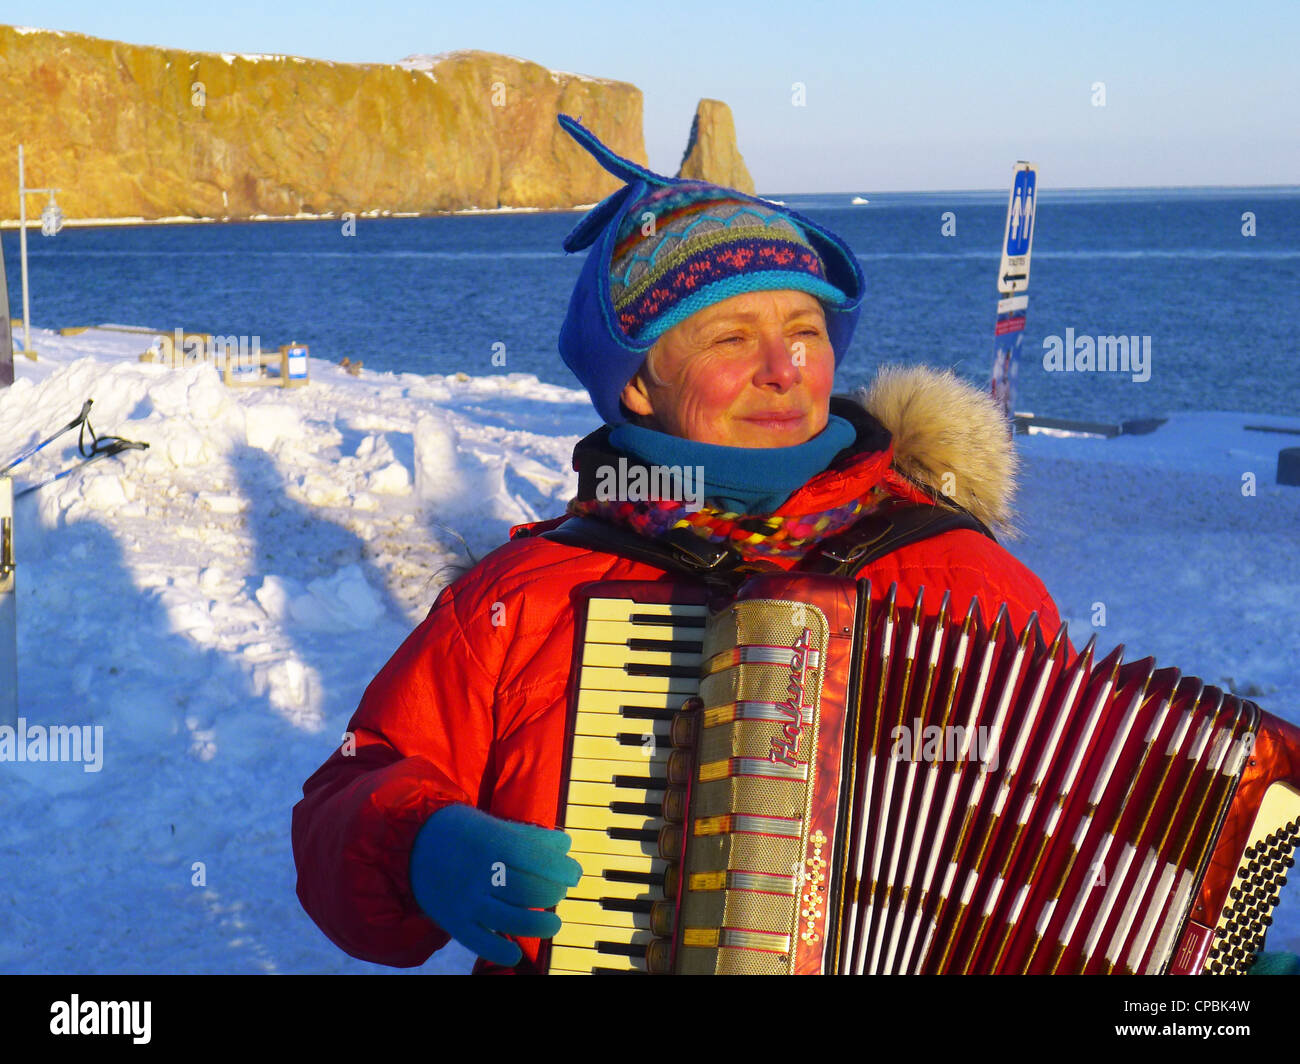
(835, 97)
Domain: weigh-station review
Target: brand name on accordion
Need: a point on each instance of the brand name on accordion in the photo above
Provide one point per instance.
(930, 742)
(785, 747)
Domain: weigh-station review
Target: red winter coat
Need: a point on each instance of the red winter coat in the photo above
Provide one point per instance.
(472, 707)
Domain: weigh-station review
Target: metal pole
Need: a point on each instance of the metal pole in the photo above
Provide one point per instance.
(6, 336)
(22, 245)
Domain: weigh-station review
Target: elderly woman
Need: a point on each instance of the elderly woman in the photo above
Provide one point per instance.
(706, 326)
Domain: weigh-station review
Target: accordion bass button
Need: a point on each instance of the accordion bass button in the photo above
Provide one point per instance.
(659, 957)
(675, 805)
(678, 769)
(663, 915)
(682, 730)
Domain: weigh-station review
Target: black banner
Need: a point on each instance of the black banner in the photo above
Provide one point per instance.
(1043, 1017)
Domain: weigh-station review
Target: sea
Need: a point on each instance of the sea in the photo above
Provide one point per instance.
(1206, 282)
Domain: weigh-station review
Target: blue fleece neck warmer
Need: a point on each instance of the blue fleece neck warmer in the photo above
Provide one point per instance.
(744, 480)
(592, 341)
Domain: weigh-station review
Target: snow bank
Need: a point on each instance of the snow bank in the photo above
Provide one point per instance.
(218, 603)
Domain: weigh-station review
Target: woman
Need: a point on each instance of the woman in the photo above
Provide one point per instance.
(706, 326)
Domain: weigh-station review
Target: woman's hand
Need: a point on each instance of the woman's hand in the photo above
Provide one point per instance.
(480, 877)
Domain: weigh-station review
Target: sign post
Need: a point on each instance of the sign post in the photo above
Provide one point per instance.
(1013, 285)
(51, 223)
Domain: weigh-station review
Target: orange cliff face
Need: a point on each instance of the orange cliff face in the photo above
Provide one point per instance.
(129, 131)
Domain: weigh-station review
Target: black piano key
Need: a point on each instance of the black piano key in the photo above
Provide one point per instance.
(633, 834)
(650, 809)
(618, 875)
(647, 712)
(617, 971)
(649, 783)
(688, 672)
(660, 620)
(630, 739)
(623, 949)
(667, 646)
(627, 905)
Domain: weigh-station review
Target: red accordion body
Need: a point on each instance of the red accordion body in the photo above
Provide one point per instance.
(805, 778)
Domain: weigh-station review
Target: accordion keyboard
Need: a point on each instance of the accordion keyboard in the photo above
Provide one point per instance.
(640, 662)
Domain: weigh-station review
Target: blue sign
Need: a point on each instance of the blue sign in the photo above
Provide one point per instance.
(1020, 222)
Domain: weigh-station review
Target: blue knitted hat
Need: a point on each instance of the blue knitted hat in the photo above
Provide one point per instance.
(717, 243)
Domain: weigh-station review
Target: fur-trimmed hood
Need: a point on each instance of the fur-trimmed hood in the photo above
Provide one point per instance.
(949, 437)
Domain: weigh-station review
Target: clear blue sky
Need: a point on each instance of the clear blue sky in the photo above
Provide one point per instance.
(898, 95)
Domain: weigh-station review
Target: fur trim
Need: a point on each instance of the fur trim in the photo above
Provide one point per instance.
(949, 437)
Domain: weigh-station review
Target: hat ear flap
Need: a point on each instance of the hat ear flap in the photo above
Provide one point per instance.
(638, 180)
(623, 169)
(586, 231)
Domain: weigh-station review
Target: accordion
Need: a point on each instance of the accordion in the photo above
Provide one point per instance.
(808, 778)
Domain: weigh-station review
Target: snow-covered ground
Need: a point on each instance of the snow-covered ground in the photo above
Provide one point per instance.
(219, 602)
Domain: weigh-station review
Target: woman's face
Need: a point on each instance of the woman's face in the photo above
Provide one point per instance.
(755, 370)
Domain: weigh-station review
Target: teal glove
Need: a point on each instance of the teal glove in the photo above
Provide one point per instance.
(480, 877)
(1275, 964)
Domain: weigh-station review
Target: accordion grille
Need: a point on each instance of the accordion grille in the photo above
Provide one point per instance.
(752, 788)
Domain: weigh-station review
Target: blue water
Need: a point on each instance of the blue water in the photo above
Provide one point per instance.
(434, 295)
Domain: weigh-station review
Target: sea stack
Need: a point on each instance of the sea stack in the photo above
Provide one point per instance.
(711, 153)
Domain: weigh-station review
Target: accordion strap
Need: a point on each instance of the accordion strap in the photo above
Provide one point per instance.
(679, 550)
(887, 529)
(846, 554)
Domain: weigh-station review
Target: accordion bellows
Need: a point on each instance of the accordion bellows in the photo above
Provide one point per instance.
(806, 778)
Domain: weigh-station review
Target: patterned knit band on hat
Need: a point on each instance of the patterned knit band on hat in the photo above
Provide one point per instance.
(693, 244)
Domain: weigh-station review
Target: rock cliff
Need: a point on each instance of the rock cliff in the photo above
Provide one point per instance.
(129, 131)
(711, 152)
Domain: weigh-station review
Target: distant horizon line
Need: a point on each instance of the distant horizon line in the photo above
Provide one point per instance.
(12, 224)
(1049, 189)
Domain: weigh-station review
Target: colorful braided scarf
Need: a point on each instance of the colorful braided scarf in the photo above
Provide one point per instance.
(754, 535)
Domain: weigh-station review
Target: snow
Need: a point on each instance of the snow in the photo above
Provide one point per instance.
(301, 216)
(218, 603)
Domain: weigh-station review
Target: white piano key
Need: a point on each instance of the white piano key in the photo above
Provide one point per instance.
(586, 793)
(619, 655)
(619, 632)
(575, 959)
(600, 678)
(605, 701)
(592, 913)
(587, 935)
(595, 818)
(610, 724)
(649, 751)
(586, 841)
(595, 864)
(611, 609)
(600, 770)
